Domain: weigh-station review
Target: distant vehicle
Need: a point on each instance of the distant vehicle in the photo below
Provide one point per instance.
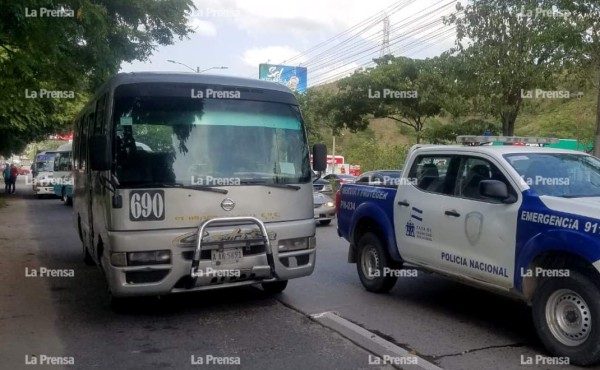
(64, 189)
(324, 208)
(23, 171)
(382, 178)
(63, 178)
(340, 179)
(323, 186)
(43, 173)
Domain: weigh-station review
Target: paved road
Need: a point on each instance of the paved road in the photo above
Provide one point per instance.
(453, 326)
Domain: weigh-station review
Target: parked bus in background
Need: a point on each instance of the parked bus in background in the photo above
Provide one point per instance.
(63, 180)
(219, 194)
(43, 173)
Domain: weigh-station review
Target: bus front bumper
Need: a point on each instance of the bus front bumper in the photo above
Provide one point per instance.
(175, 277)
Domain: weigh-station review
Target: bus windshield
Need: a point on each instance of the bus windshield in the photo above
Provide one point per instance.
(45, 162)
(165, 140)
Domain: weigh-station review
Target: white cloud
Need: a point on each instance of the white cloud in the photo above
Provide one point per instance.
(202, 27)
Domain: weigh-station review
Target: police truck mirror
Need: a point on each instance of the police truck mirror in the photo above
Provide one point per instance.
(493, 189)
(319, 157)
(100, 153)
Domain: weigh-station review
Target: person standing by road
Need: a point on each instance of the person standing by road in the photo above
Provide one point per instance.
(6, 176)
(14, 172)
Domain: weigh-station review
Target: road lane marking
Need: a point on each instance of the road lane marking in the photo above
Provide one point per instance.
(370, 341)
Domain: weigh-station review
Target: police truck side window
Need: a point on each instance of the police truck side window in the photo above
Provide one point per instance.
(430, 173)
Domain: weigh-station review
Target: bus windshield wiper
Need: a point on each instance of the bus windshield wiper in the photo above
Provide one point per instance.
(177, 185)
(270, 184)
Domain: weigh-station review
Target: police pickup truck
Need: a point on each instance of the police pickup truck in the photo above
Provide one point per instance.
(513, 219)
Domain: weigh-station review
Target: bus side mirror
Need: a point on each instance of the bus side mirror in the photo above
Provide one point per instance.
(319, 157)
(100, 153)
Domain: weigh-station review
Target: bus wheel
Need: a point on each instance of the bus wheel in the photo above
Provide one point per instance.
(372, 263)
(274, 287)
(66, 200)
(87, 257)
(565, 311)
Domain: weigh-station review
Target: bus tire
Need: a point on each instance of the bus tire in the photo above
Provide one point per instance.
(566, 315)
(66, 200)
(87, 257)
(371, 262)
(275, 287)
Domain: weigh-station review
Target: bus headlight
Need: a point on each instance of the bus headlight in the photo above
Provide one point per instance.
(162, 257)
(287, 245)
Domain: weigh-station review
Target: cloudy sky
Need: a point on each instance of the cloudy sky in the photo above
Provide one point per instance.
(240, 34)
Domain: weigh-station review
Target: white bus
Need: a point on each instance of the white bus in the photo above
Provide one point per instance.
(62, 179)
(186, 182)
(43, 173)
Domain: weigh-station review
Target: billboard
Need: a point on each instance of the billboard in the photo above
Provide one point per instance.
(292, 77)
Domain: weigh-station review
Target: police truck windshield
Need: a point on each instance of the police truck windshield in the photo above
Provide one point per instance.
(559, 174)
(227, 142)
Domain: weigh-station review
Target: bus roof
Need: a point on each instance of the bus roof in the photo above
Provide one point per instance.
(184, 77)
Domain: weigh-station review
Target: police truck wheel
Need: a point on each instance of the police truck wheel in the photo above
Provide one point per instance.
(275, 286)
(566, 315)
(371, 265)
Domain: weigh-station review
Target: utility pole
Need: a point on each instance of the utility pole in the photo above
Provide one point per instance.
(597, 138)
(333, 151)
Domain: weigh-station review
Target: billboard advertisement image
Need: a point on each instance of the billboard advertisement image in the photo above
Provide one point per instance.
(290, 76)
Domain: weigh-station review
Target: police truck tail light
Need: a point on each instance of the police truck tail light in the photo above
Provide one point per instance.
(338, 199)
(288, 245)
(162, 257)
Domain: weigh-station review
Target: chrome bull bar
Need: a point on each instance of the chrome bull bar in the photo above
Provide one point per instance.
(224, 221)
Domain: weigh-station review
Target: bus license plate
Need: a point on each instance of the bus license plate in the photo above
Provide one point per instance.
(227, 257)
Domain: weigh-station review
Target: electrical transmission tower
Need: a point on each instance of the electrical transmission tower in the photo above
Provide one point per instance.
(385, 44)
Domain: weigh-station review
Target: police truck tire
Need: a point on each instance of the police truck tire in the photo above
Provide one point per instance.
(372, 259)
(566, 315)
(275, 287)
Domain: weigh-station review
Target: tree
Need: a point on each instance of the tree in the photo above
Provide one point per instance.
(446, 134)
(71, 55)
(508, 49)
(580, 23)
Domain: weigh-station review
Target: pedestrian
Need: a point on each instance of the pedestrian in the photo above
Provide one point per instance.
(6, 176)
(14, 172)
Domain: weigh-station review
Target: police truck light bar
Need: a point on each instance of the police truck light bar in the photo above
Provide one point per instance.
(472, 139)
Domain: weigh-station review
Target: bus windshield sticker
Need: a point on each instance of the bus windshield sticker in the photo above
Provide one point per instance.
(248, 120)
(287, 168)
(126, 121)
